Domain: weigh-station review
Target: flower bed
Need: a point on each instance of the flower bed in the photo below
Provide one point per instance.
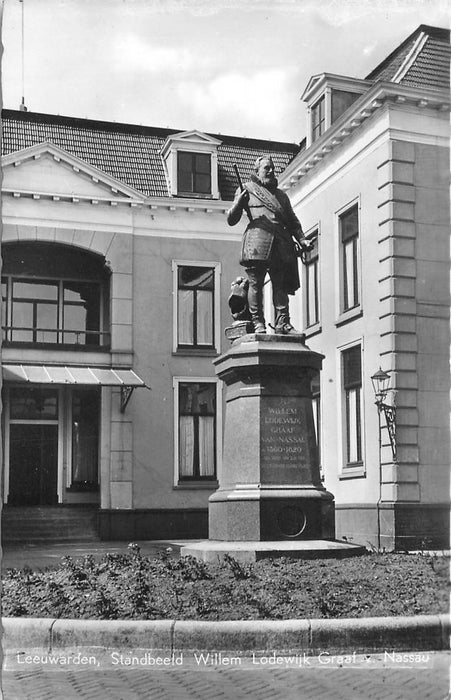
(121, 586)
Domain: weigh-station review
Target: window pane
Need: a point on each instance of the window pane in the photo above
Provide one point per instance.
(33, 404)
(196, 277)
(185, 317)
(186, 446)
(204, 317)
(4, 310)
(74, 324)
(349, 292)
(202, 162)
(87, 296)
(46, 316)
(185, 182)
(35, 290)
(353, 421)
(185, 172)
(85, 436)
(22, 317)
(341, 100)
(349, 224)
(185, 161)
(197, 399)
(203, 184)
(318, 119)
(352, 396)
(206, 446)
(352, 367)
(46, 320)
(312, 293)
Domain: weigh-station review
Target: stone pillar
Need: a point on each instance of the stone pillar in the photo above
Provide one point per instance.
(270, 488)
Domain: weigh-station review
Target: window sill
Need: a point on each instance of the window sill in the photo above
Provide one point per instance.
(313, 330)
(348, 316)
(183, 485)
(355, 472)
(199, 352)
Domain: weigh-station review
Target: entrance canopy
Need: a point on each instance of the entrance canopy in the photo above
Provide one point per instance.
(126, 379)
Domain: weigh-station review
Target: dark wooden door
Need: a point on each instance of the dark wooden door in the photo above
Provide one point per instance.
(33, 464)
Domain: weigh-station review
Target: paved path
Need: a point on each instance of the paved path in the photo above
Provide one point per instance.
(39, 556)
(368, 678)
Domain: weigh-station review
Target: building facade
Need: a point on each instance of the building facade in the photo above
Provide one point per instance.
(372, 189)
(117, 264)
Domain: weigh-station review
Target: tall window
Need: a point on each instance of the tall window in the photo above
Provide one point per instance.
(311, 284)
(316, 405)
(54, 295)
(85, 437)
(318, 119)
(352, 388)
(197, 430)
(193, 173)
(195, 306)
(349, 235)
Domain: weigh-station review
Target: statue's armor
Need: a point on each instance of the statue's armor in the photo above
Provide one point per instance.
(268, 237)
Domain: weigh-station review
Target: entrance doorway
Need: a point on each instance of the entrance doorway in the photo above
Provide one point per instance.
(33, 460)
(33, 445)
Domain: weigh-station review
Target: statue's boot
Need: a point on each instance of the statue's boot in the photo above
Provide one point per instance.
(255, 299)
(283, 324)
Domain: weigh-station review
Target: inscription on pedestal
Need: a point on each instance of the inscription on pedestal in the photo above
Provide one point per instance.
(284, 440)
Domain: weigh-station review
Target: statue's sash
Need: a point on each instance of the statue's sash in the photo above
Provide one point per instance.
(267, 198)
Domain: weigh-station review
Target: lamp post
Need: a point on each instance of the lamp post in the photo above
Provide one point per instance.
(381, 386)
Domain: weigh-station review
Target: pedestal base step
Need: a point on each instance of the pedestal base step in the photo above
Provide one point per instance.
(249, 551)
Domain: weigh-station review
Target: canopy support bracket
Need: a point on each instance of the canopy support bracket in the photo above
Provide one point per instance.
(126, 395)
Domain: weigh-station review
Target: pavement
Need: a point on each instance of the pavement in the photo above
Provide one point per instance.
(41, 556)
(376, 677)
(300, 659)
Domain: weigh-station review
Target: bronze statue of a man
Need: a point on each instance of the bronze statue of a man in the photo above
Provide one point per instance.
(271, 243)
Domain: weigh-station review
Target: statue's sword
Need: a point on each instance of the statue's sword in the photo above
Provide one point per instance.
(243, 189)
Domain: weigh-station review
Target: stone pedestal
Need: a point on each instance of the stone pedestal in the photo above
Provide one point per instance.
(270, 486)
(270, 500)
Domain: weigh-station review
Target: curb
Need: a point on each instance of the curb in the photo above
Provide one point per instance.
(364, 635)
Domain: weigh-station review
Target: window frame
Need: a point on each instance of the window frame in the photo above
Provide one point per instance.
(345, 314)
(314, 263)
(59, 331)
(197, 482)
(355, 468)
(194, 172)
(199, 349)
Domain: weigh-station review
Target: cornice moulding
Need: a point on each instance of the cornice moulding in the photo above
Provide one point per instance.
(373, 100)
(155, 203)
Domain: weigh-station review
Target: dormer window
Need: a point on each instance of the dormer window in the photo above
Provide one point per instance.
(191, 165)
(328, 97)
(193, 173)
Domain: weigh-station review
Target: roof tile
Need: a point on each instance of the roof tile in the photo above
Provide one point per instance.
(131, 153)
